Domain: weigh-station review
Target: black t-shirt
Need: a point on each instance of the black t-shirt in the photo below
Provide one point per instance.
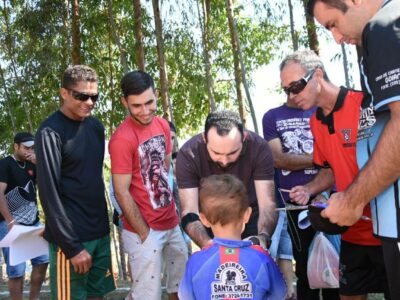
(70, 167)
(16, 174)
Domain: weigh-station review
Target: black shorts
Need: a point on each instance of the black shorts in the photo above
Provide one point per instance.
(391, 252)
(362, 270)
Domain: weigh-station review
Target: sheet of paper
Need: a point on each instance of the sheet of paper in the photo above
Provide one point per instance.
(25, 243)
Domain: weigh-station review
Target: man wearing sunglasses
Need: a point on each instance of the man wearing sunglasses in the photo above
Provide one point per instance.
(287, 130)
(70, 150)
(336, 127)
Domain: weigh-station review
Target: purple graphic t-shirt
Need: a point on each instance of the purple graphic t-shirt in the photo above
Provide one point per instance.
(292, 127)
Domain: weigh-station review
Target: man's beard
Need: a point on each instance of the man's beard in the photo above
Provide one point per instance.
(225, 167)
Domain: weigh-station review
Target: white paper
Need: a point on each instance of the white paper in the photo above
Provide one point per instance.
(25, 243)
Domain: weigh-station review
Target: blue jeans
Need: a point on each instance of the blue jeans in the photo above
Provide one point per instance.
(281, 244)
(18, 270)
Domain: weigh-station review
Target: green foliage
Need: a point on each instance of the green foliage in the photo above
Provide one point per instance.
(37, 48)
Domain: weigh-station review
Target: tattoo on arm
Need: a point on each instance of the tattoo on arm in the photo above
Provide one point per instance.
(198, 233)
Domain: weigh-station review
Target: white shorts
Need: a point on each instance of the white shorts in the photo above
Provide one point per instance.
(146, 261)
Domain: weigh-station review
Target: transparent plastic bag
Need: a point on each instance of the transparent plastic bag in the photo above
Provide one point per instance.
(323, 263)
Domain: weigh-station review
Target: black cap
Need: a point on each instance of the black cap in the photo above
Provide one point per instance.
(320, 223)
(24, 138)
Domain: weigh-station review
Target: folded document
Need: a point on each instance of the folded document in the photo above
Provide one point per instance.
(25, 242)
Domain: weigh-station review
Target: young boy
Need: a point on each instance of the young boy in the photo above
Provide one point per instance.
(229, 268)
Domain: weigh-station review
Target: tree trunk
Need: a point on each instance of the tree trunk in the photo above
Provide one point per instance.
(345, 66)
(76, 34)
(293, 34)
(115, 38)
(66, 51)
(137, 12)
(163, 66)
(206, 57)
(114, 101)
(311, 30)
(237, 70)
(240, 68)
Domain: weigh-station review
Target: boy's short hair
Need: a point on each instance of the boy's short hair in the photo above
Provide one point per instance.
(223, 199)
(77, 73)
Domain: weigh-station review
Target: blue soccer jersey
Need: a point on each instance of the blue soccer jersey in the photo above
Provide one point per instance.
(380, 70)
(232, 270)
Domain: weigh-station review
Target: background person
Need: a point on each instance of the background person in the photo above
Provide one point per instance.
(140, 151)
(18, 171)
(70, 151)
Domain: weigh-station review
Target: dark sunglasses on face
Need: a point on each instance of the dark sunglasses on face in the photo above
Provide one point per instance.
(83, 97)
(297, 86)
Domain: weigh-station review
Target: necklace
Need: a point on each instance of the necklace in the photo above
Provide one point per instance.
(19, 165)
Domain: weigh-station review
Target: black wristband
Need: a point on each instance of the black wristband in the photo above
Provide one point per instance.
(189, 218)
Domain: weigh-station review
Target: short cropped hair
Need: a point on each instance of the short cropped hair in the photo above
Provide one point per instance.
(136, 82)
(77, 73)
(224, 121)
(223, 199)
(307, 59)
(339, 4)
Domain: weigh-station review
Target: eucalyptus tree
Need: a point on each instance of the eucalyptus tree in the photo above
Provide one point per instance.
(204, 16)
(235, 43)
(137, 14)
(76, 33)
(162, 62)
(311, 29)
(293, 34)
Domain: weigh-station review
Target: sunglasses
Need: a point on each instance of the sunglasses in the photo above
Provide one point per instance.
(297, 86)
(83, 97)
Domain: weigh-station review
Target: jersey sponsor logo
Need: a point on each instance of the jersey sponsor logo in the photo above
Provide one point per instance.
(231, 282)
(365, 123)
(153, 170)
(388, 79)
(346, 132)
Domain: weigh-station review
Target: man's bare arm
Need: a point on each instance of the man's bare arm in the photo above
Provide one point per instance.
(382, 169)
(130, 210)
(3, 205)
(265, 191)
(190, 204)
(323, 181)
(289, 161)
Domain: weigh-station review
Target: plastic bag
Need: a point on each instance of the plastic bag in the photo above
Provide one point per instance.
(323, 263)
